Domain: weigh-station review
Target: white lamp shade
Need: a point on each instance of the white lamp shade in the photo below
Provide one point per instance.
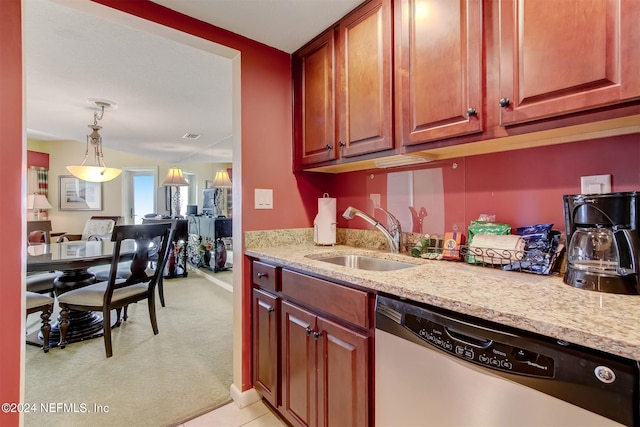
(37, 201)
(221, 180)
(174, 178)
(94, 173)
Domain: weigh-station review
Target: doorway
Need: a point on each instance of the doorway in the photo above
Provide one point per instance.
(139, 193)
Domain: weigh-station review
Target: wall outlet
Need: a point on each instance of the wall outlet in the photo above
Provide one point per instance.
(263, 198)
(595, 184)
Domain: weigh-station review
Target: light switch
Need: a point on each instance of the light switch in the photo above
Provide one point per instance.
(263, 198)
(595, 184)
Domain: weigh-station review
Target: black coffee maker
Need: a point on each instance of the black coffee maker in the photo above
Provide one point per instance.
(603, 242)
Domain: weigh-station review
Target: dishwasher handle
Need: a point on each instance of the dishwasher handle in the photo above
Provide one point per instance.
(468, 339)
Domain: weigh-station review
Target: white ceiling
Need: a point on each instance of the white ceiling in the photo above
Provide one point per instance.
(163, 88)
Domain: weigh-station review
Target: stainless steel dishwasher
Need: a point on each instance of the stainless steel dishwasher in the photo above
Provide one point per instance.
(437, 368)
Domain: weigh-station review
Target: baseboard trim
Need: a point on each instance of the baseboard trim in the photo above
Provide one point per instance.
(244, 398)
(218, 282)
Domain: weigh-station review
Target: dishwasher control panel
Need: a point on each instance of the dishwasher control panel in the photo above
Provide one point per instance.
(480, 350)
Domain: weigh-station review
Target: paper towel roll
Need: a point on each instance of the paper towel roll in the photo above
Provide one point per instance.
(324, 224)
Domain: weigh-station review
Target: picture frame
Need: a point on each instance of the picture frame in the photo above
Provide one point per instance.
(208, 183)
(75, 194)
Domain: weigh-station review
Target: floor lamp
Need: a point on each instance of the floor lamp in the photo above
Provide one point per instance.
(175, 179)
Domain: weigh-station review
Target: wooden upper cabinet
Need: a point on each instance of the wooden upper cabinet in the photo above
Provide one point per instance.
(562, 56)
(365, 104)
(438, 69)
(314, 102)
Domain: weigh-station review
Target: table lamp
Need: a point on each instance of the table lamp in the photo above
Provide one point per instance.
(220, 181)
(37, 202)
(175, 179)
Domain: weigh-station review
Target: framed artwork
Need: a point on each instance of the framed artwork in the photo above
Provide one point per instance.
(208, 183)
(75, 194)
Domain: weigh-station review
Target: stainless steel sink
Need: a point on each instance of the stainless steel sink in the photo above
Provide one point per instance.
(363, 262)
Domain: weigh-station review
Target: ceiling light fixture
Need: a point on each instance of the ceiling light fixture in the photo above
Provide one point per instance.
(175, 178)
(100, 172)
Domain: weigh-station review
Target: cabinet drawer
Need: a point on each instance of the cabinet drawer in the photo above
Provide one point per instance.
(343, 302)
(265, 276)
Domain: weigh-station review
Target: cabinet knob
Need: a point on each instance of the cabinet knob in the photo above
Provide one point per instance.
(342, 144)
(504, 102)
(329, 147)
(471, 112)
(271, 310)
(316, 334)
(308, 330)
(262, 275)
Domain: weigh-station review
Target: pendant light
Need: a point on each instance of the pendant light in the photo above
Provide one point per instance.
(100, 172)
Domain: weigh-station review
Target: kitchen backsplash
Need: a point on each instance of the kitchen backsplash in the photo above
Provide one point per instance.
(520, 188)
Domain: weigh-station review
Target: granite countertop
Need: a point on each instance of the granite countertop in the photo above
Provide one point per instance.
(537, 303)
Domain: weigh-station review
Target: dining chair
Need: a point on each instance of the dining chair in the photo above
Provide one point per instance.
(44, 304)
(42, 283)
(96, 228)
(116, 293)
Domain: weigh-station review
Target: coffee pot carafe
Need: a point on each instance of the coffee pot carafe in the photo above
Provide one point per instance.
(604, 243)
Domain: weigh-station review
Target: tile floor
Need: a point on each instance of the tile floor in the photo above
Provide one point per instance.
(255, 415)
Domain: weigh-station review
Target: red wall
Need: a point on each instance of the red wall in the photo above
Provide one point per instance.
(526, 187)
(11, 173)
(520, 187)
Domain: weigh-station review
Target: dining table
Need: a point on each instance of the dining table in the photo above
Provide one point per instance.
(73, 259)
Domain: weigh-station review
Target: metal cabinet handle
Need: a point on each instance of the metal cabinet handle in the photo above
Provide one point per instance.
(342, 144)
(471, 112)
(504, 102)
(308, 331)
(262, 275)
(329, 147)
(271, 310)
(316, 334)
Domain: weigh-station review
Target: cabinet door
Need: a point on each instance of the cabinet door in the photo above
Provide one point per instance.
(561, 56)
(314, 105)
(343, 376)
(365, 80)
(266, 315)
(438, 69)
(299, 396)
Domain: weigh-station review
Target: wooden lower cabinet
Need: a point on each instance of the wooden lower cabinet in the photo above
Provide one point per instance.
(266, 330)
(325, 371)
(312, 349)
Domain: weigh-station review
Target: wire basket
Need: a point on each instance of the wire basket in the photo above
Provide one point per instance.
(531, 261)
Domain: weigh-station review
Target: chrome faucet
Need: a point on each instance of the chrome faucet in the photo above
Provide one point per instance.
(392, 234)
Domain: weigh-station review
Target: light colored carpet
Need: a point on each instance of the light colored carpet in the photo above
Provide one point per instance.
(151, 380)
